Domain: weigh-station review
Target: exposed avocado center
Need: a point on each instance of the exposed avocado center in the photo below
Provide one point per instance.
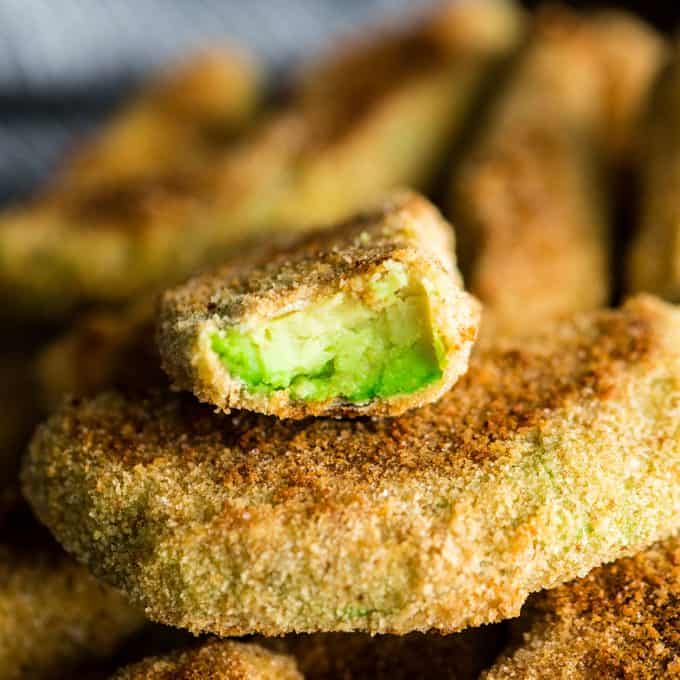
(353, 347)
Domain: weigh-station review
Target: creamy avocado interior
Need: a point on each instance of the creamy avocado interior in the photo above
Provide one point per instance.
(344, 346)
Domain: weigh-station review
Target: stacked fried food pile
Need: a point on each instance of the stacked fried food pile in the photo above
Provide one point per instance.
(275, 414)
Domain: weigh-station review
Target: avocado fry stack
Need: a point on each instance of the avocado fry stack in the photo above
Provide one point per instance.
(298, 443)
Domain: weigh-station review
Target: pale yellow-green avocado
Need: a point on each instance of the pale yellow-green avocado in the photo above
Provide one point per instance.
(355, 347)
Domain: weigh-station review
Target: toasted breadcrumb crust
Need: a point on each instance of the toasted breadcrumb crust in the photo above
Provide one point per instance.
(386, 129)
(655, 254)
(620, 621)
(548, 458)
(357, 656)
(54, 616)
(404, 229)
(531, 196)
(217, 660)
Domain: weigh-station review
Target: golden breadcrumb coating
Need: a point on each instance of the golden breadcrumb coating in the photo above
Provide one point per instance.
(549, 457)
(357, 656)
(620, 621)
(655, 253)
(217, 660)
(315, 161)
(405, 230)
(532, 195)
(54, 616)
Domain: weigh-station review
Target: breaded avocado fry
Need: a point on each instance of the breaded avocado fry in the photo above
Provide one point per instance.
(549, 457)
(176, 123)
(54, 616)
(655, 253)
(215, 660)
(620, 621)
(531, 197)
(369, 318)
(379, 114)
(131, 208)
(317, 160)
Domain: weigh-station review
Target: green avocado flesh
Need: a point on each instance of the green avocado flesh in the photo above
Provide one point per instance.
(340, 346)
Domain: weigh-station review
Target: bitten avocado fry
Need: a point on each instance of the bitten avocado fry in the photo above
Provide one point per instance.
(368, 318)
(619, 621)
(531, 198)
(551, 456)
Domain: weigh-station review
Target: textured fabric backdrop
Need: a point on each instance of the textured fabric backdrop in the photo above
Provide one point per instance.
(64, 63)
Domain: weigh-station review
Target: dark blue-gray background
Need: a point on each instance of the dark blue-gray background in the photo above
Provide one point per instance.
(65, 63)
